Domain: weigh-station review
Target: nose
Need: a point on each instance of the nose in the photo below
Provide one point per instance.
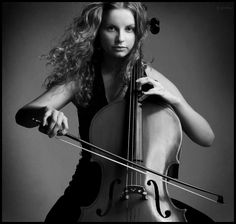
(120, 37)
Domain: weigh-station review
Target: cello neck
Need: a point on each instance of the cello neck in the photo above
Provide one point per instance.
(135, 116)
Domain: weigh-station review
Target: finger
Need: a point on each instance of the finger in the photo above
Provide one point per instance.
(143, 80)
(146, 80)
(61, 126)
(53, 123)
(46, 116)
(155, 91)
(58, 126)
(60, 118)
(54, 131)
(65, 125)
(142, 98)
(147, 94)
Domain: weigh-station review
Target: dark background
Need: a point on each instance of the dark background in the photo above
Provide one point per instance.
(194, 49)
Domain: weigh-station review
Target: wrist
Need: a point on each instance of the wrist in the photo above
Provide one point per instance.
(176, 102)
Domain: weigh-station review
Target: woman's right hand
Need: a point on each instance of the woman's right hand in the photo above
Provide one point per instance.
(54, 121)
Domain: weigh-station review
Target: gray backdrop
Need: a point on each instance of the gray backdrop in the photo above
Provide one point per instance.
(194, 50)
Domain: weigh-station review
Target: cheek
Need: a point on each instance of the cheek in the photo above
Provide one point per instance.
(106, 39)
(106, 42)
(131, 41)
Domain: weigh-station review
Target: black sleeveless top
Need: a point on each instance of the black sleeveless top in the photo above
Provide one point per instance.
(86, 114)
(98, 101)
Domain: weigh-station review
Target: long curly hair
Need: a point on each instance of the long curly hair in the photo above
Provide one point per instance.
(75, 57)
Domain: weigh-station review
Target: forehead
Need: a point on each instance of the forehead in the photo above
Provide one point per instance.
(119, 17)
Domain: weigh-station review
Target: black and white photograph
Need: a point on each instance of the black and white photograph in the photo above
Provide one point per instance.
(118, 112)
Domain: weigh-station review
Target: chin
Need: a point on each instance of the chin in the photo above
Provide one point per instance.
(120, 55)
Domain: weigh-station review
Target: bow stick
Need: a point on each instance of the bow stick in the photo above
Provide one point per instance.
(219, 197)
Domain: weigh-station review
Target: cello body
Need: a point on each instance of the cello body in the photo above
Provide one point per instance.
(126, 195)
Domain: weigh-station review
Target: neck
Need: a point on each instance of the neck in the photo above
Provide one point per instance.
(111, 65)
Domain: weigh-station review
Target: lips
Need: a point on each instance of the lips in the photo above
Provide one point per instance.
(119, 47)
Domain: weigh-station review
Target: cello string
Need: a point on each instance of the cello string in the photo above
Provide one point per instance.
(133, 119)
(136, 123)
(135, 146)
(120, 163)
(139, 121)
(139, 130)
(133, 123)
(129, 132)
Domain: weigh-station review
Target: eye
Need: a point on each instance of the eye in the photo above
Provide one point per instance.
(110, 28)
(130, 29)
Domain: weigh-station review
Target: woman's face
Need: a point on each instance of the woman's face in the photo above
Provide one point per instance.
(117, 33)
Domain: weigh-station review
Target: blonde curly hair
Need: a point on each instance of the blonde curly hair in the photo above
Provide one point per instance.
(76, 55)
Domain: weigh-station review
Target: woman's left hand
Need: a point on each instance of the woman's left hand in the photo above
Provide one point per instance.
(157, 89)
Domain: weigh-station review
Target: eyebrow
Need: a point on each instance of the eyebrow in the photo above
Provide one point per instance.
(132, 24)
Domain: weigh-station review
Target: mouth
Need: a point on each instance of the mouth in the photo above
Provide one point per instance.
(119, 48)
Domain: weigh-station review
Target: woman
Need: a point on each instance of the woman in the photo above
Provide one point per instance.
(92, 67)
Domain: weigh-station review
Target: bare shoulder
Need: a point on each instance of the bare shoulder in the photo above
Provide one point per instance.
(164, 81)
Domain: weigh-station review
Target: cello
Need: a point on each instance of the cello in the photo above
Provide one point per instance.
(149, 137)
(153, 140)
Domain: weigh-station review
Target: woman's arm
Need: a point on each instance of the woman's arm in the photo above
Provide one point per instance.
(47, 106)
(194, 125)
